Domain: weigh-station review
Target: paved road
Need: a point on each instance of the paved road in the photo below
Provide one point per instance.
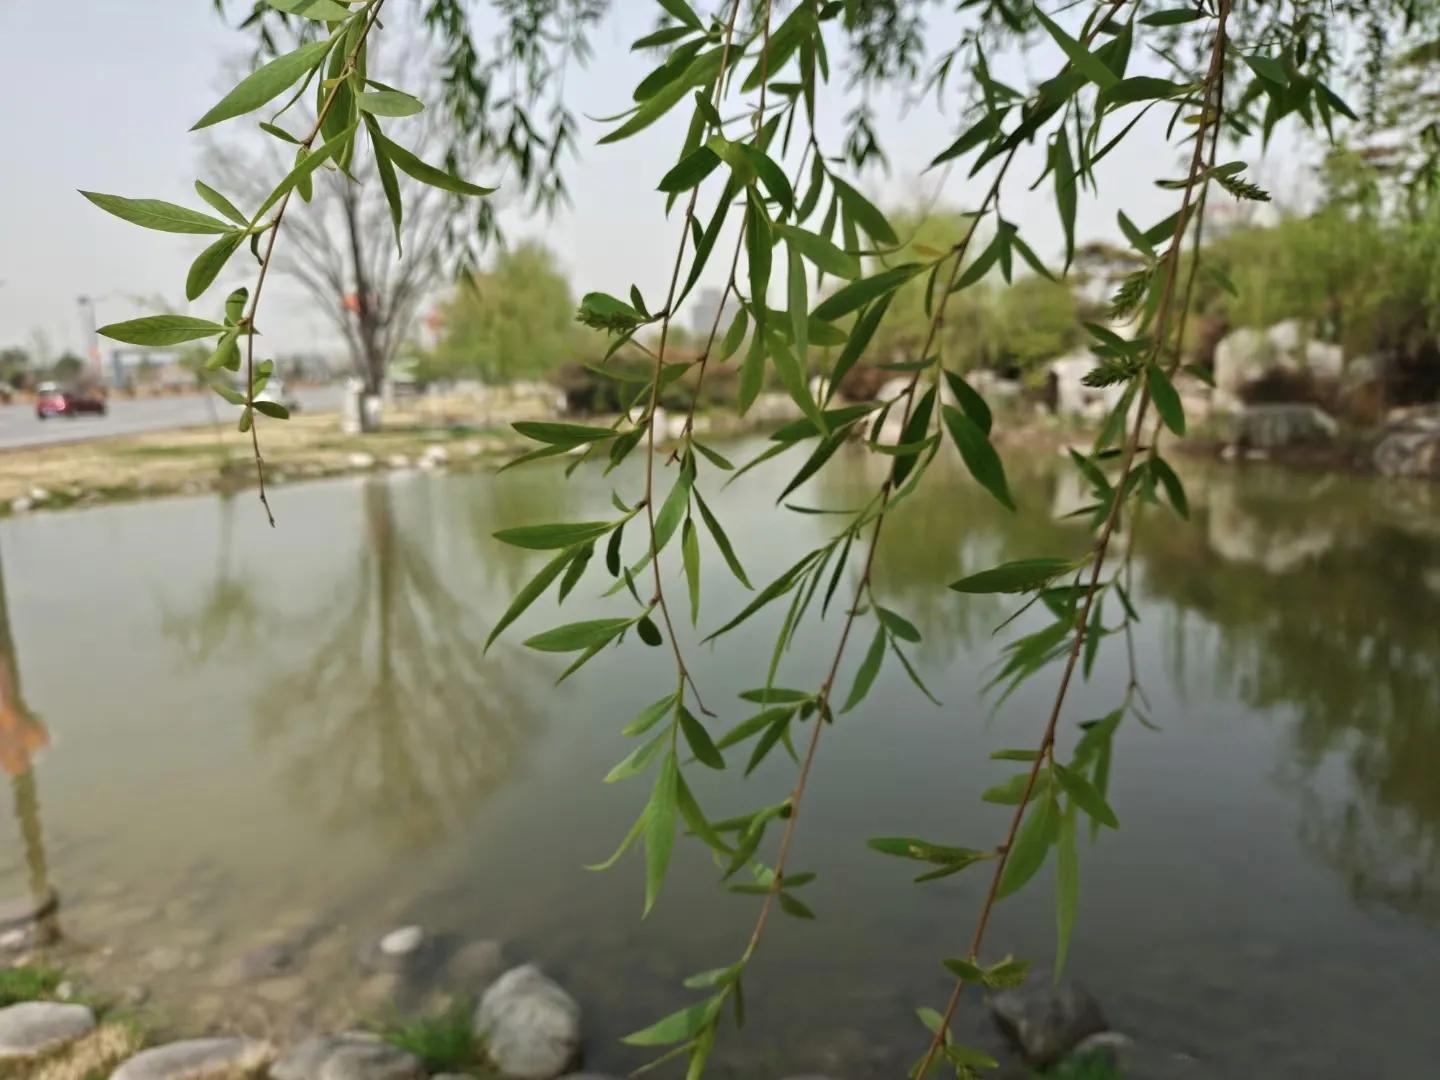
(19, 426)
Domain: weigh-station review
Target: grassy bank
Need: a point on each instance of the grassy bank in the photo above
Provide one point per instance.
(210, 458)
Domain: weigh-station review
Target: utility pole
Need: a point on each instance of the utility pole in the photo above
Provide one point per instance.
(87, 315)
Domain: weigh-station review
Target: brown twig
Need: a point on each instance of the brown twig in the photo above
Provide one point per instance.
(1047, 742)
(688, 431)
(669, 314)
(797, 793)
(248, 321)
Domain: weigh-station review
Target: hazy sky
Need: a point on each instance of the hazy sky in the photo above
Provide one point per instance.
(102, 97)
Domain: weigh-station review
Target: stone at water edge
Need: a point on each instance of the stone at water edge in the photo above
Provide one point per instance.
(197, 1059)
(34, 1027)
(402, 942)
(1045, 1021)
(529, 1024)
(351, 1056)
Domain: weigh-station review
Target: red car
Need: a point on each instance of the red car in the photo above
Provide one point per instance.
(50, 401)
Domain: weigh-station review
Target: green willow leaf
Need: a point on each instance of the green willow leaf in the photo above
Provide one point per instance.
(319, 10)
(158, 214)
(701, 745)
(1021, 575)
(389, 182)
(209, 263)
(722, 542)
(161, 330)
(979, 456)
(820, 251)
(649, 632)
(797, 295)
(897, 624)
(865, 674)
(390, 103)
(777, 588)
(1067, 890)
(639, 759)
(1032, 843)
(970, 401)
(1174, 489)
(690, 170)
(700, 70)
(221, 203)
(649, 716)
(861, 292)
(1142, 88)
(684, 1024)
(1086, 62)
(573, 637)
(1269, 69)
(1084, 795)
(413, 167)
(690, 553)
(660, 827)
(266, 83)
(1167, 401)
(305, 168)
(1172, 17)
(272, 409)
(549, 537)
(864, 213)
(564, 435)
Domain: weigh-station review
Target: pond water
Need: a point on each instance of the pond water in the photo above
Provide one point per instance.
(292, 737)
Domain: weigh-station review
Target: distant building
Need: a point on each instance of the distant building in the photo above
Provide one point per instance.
(709, 304)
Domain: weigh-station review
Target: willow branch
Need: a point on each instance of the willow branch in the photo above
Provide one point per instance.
(1197, 176)
(669, 314)
(371, 17)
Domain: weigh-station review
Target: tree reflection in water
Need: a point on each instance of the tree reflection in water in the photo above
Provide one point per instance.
(1327, 603)
(396, 725)
(22, 735)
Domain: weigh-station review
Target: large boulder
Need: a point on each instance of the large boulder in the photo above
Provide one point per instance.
(352, 1056)
(198, 1059)
(1410, 445)
(1247, 358)
(530, 1026)
(37, 1027)
(1045, 1021)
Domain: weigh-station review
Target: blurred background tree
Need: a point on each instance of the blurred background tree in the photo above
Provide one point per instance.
(515, 320)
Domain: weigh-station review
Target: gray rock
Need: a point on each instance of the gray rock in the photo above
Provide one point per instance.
(197, 1059)
(474, 966)
(1044, 1021)
(530, 1026)
(1269, 427)
(351, 1056)
(35, 1027)
(1410, 445)
(1113, 1047)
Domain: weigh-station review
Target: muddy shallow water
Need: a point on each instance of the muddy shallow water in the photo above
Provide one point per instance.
(253, 752)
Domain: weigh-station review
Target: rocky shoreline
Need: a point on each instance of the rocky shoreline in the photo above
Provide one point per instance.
(514, 1023)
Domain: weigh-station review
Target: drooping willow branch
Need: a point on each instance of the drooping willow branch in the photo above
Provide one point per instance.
(247, 321)
(346, 98)
(657, 383)
(1197, 179)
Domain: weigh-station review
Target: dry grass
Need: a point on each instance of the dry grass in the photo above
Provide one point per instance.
(93, 1056)
(127, 466)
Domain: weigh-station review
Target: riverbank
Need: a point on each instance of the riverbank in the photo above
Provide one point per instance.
(433, 432)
